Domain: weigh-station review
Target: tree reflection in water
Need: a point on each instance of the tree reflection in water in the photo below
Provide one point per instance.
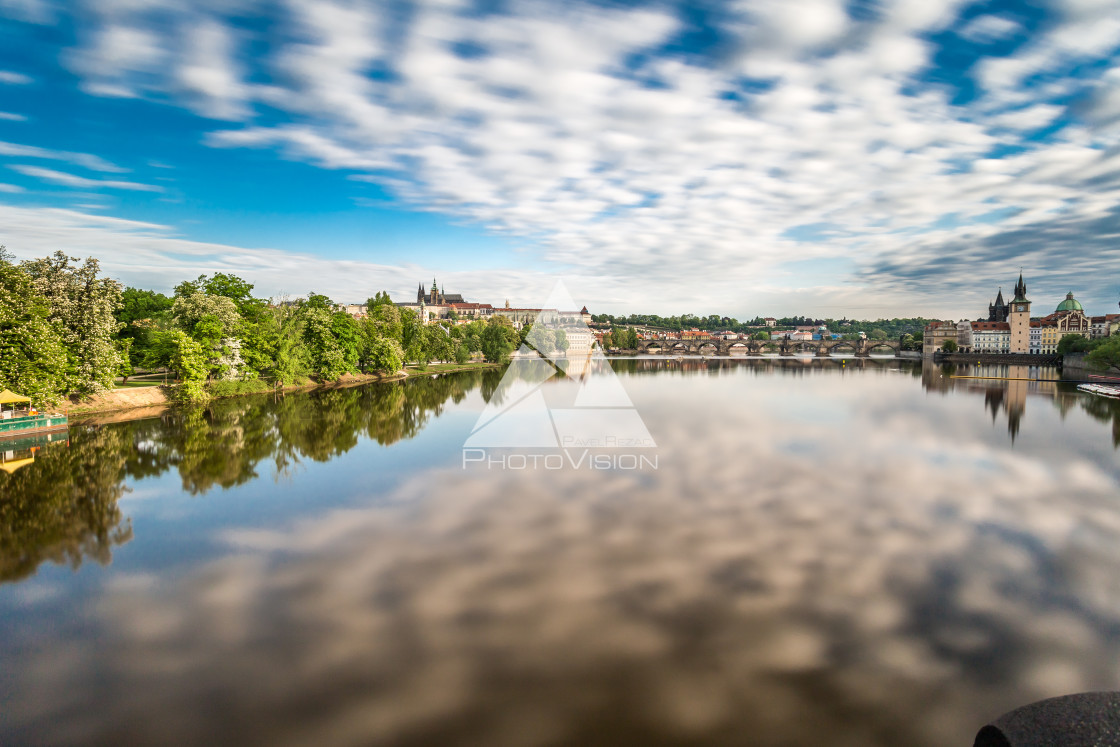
(63, 508)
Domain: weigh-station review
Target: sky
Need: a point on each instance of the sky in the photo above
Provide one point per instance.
(752, 157)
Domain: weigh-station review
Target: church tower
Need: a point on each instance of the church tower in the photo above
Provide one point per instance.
(1019, 318)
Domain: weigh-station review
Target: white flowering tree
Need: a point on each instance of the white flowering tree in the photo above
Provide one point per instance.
(83, 306)
(214, 322)
(33, 359)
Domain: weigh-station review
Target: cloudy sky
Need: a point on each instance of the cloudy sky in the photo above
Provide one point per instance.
(832, 158)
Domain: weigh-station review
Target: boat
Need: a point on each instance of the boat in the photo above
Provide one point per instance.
(1101, 390)
(19, 418)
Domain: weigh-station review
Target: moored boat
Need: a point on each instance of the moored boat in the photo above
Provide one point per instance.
(19, 418)
(1101, 390)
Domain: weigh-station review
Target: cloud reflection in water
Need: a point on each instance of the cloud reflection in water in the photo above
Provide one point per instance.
(900, 578)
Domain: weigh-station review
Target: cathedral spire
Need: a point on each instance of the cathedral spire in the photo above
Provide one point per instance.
(1021, 288)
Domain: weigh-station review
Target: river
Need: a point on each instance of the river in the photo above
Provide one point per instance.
(844, 552)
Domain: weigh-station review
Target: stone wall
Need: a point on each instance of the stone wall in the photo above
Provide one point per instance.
(1078, 364)
(1017, 359)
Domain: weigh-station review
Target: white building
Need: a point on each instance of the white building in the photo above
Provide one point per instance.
(964, 336)
(991, 337)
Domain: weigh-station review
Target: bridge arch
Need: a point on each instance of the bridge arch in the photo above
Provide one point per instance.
(738, 348)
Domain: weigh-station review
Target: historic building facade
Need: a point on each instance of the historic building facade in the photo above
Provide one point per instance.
(997, 310)
(436, 296)
(1010, 329)
(1019, 319)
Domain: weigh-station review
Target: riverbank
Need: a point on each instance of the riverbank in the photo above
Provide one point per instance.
(442, 368)
(1013, 359)
(128, 403)
(1077, 365)
(153, 400)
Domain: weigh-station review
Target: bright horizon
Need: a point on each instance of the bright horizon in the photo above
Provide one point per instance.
(768, 158)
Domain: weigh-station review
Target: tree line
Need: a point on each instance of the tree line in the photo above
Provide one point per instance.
(65, 330)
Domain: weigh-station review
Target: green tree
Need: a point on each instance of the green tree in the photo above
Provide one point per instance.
(84, 306)
(291, 364)
(949, 346)
(499, 340)
(33, 358)
(542, 339)
(562, 343)
(190, 309)
(1074, 343)
(386, 321)
(140, 313)
(141, 304)
(631, 339)
(878, 334)
(1107, 354)
(437, 343)
(385, 356)
(191, 364)
(411, 335)
(326, 355)
(381, 298)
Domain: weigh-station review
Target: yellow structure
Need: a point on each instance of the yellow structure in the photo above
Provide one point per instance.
(8, 397)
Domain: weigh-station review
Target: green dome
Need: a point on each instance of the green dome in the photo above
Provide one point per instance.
(1070, 304)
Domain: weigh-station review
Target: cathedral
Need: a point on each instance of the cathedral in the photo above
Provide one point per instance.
(1000, 310)
(436, 297)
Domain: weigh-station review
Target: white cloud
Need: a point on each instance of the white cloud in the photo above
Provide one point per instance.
(988, 28)
(10, 188)
(13, 78)
(80, 182)
(13, 117)
(559, 123)
(208, 72)
(86, 160)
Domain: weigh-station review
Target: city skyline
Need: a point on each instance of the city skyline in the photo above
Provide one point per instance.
(768, 158)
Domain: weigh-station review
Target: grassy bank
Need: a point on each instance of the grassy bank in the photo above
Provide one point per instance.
(150, 396)
(441, 368)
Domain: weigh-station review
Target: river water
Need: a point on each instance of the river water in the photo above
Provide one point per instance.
(845, 552)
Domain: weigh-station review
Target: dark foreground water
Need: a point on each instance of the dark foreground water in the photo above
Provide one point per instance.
(844, 553)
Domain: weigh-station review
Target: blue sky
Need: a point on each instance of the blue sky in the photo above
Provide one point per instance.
(754, 157)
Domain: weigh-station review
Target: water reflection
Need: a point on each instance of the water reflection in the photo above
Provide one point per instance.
(824, 557)
(63, 507)
(1006, 388)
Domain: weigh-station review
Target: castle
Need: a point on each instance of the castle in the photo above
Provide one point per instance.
(436, 297)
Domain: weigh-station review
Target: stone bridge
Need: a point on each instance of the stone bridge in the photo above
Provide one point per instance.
(822, 348)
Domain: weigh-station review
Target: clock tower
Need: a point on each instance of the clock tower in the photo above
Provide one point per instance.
(1019, 318)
